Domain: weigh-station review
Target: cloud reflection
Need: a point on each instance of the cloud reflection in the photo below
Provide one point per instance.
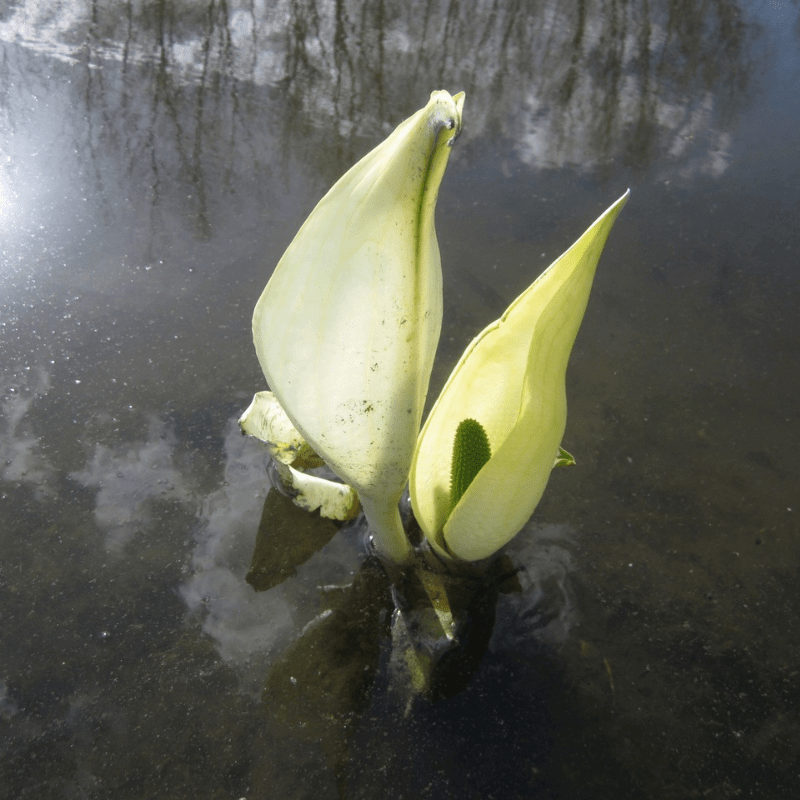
(241, 621)
(128, 480)
(20, 456)
(245, 623)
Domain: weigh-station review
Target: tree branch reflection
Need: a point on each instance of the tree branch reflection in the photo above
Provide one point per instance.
(195, 97)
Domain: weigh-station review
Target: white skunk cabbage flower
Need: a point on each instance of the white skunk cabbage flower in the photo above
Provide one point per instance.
(508, 389)
(347, 327)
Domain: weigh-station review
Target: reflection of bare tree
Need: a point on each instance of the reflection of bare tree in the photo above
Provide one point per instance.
(578, 82)
(175, 86)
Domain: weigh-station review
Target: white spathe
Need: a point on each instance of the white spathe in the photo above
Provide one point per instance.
(511, 379)
(347, 327)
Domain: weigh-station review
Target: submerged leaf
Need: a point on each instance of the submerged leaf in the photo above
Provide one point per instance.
(287, 537)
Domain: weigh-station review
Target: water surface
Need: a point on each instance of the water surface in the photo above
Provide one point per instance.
(155, 161)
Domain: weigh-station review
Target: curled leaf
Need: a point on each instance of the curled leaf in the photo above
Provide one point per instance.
(334, 500)
(266, 420)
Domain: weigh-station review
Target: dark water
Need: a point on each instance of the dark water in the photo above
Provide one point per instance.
(156, 159)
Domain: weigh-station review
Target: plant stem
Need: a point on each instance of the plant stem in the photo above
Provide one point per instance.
(387, 529)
